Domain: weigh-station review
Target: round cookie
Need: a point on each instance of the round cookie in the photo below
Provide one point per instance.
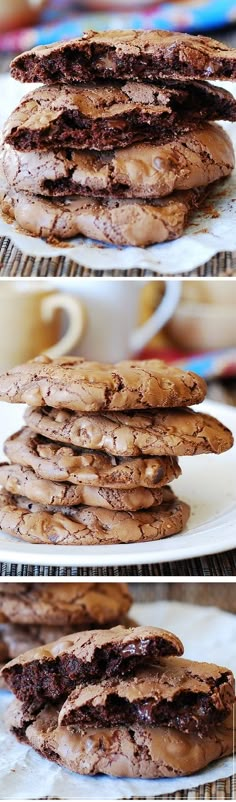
(80, 526)
(92, 386)
(145, 752)
(25, 482)
(140, 171)
(52, 461)
(110, 116)
(63, 604)
(17, 639)
(190, 696)
(51, 672)
(177, 432)
(114, 222)
(120, 54)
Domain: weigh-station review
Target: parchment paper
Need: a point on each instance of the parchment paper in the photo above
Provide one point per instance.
(208, 635)
(213, 229)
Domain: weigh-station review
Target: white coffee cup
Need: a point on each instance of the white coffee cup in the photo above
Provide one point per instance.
(32, 321)
(112, 310)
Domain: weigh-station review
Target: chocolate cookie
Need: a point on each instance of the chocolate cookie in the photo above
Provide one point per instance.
(64, 604)
(19, 639)
(114, 222)
(140, 171)
(180, 432)
(111, 116)
(4, 654)
(145, 55)
(90, 526)
(52, 671)
(91, 386)
(145, 752)
(52, 461)
(189, 696)
(25, 482)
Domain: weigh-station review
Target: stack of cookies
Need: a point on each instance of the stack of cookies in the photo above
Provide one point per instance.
(100, 446)
(32, 614)
(119, 143)
(121, 702)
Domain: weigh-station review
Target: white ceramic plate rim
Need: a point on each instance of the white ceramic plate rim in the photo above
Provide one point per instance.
(215, 536)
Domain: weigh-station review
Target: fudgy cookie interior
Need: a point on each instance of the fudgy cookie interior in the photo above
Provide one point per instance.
(36, 682)
(189, 712)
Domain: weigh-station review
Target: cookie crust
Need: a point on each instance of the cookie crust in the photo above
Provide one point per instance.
(145, 752)
(25, 482)
(91, 386)
(52, 671)
(176, 432)
(59, 463)
(49, 606)
(113, 116)
(115, 222)
(127, 54)
(190, 696)
(140, 171)
(80, 526)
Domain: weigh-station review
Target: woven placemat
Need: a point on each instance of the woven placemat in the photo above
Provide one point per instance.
(222, 789)
(216, 565)
(15, 264)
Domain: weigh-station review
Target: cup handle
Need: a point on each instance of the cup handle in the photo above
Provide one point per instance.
(77, 319)
(143, 334)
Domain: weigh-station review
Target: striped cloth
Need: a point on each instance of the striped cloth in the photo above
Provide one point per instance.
(215, 565)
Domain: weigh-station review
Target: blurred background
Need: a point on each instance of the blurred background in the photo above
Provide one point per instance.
(216, 594)
(26, 23)
(191, 324)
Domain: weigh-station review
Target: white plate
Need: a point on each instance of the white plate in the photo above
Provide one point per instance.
(207, 484)
(212, 229)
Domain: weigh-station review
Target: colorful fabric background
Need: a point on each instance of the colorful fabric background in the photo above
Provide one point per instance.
(65, 19)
